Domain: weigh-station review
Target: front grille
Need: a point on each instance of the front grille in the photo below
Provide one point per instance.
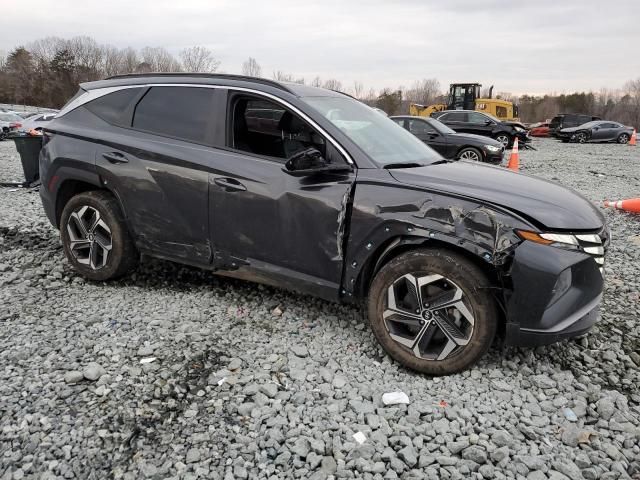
(596, 246)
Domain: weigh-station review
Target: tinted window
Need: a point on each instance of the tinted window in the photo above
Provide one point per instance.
(112, 107)
(584, 118)
(420, 127)
(608, 125)
(399, 121)
(477, 118)
(454, 117)
(180, 112)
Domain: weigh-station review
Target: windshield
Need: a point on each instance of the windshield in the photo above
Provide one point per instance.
(379, 137)
(10, 117)
(441, 127)
(591, 124)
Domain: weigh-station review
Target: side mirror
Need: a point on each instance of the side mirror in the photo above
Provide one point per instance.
(488, 122)
(310, 162)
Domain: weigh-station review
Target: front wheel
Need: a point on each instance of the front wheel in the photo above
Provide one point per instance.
(470, 153)
(432, 311)
(504, 139)
(623, 138)
(581, 137)
(95, 237)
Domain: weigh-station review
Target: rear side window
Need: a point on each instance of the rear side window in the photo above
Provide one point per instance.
(185, 113)
(112, 107)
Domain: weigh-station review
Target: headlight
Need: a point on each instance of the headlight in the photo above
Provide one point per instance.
(519, 130)
(492, 148)
(562, 239)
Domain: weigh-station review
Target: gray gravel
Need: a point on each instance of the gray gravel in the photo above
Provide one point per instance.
(175, 373)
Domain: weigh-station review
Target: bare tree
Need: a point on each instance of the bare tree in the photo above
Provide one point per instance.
(113, 62)
(357, 90)
(130, 60)
(199, 59)
(632, 102)
(423, 91)
(251, 68)
(316, 82)
(159, 59)
(333, 84)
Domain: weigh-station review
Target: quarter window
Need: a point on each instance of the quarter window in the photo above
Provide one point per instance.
(112, 107)
(185, 113)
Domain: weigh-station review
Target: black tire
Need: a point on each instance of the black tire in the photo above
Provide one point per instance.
(623, 138)
(582, 137)
(461, 274)
(122, 256)
(505, 139)
(472, 154)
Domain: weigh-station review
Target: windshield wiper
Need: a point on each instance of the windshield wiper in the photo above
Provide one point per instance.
(390, 166)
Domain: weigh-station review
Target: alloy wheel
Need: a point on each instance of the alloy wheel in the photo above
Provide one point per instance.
(90, 239)
(429, 315)
(581, 138)
(503, 139)
(623, 138)
(470, 155)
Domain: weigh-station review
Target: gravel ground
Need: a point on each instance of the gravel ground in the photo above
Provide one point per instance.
(175, 373)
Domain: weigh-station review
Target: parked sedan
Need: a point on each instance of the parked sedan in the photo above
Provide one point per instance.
(540, 129)
(451, 144)
(470, 121)
(37, 121)
(596, 131)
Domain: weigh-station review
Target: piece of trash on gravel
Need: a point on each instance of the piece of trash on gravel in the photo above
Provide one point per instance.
(359, 437)
(570, 415)
(276, 312)
(147, 360)
(222, 380)
(395, 398)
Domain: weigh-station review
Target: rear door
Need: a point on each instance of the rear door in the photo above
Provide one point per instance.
(267, 224)
(607, 131)
(158, 164)
(455, 120)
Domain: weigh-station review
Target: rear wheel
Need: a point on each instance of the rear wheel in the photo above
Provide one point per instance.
(470, 153)
(504, 139)
(431, 310)
(623, 138)
(95, 237)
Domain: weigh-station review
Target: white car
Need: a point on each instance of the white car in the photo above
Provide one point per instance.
(37, 121)
(9, 122)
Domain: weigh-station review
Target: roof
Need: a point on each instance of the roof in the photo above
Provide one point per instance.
(207, 79)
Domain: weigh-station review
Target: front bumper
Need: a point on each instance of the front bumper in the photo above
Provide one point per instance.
(494, 157)
(540, 312)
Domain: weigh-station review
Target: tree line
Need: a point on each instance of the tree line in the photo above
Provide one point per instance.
(47, 72)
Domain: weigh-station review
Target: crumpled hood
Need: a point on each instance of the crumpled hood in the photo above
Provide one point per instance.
(552, 205)
(570, 129)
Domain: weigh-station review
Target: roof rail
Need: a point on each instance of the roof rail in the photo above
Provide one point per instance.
(228, 76)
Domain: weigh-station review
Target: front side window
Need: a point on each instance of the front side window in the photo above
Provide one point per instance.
(383, 140)
(263, 127)
(185, 113)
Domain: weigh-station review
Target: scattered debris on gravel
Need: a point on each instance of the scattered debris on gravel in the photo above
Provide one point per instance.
(173, 372)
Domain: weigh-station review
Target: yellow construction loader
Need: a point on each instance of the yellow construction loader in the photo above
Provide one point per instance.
(466, 96)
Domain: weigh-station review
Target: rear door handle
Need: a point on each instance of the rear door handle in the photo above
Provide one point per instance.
(115, 157)
(230, 184)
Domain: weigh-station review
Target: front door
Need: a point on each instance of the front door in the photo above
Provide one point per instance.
(266, 224)
(428, 134)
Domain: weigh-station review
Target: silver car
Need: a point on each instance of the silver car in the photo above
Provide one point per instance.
(597, 131)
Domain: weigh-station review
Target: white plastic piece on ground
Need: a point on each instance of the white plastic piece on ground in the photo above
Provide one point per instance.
(222, 380)
(359, 437)
(395, 398)
(148, 360)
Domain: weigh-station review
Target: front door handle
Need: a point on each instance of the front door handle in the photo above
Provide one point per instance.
(230, 184)
(115, 157)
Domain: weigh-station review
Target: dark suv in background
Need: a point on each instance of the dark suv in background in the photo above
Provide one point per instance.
(568, 120)
(311, 190)
(478, 123)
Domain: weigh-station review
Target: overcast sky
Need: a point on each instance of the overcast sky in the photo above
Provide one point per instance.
(520, 47)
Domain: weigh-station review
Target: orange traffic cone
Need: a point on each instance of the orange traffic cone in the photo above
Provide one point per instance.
(514, 159)
(632, 140)
(631, 205)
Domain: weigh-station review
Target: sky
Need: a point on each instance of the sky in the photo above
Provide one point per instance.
(535, 47)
